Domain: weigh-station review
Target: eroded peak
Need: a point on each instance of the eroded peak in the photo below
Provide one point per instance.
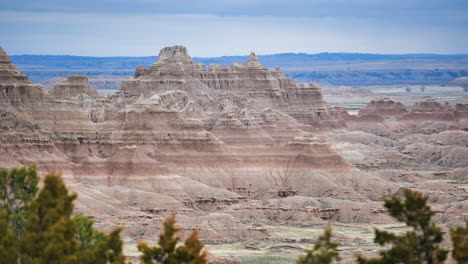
(2, 52)
(253, 62)
(252, 57)
(4, 56)
(176, 53)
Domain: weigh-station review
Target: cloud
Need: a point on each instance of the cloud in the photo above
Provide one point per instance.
(143, 34)
(415, 10)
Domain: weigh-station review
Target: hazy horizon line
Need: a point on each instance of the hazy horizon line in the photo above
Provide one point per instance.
(246, 55)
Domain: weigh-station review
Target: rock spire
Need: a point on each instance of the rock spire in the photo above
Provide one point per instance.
(253, 62)
(8, 72)
(15, 86)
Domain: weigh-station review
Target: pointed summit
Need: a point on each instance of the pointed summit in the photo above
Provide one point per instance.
(253, 62)
(174, 54)
(3, 55)
(8, 72)
(15, 86)
(252, 57)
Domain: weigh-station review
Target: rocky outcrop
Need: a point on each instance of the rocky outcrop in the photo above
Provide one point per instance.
(10, 121)
(175, 54)
(15, 86)
(431, 136)
(431, 116)
(383, 107)
(8, 72)
(461, 111)
(73, 86)
(223, 147)
(429, 109)
(175, 70)
(177, 134)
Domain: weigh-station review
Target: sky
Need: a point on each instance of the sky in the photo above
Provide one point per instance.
(210, 28)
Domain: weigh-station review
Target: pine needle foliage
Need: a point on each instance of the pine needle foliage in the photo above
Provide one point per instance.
(88, 236)
(97, 247)
(421, 244)
(8, 241)
(53, 236)
(109, 250)
(18, 187)
(323, 252)
(50, 232)
(459, 237)
(167, 252)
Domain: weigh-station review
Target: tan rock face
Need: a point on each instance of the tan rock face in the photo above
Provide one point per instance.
(200, 137)
(10, 121)
(175, 70)
(425, 117)
(223, 147)
(429, 109)
(8, 72)
(418, 139)
(73, 86)
(15, 87)
(175, 54)
(461, 111)
(383, 107)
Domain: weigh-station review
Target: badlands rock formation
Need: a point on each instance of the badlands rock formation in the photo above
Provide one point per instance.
(73, 86)
(226, 148)
(429, 109)
(146, 141)
(431, 137)
(383, 107)
(15, 87)
(251, 81)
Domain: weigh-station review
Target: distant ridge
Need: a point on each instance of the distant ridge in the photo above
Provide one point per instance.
(272, 60)
(324, 68)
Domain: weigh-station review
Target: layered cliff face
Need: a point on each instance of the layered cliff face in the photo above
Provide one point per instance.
(383, 107)
(431, 135)
(202, 139)
(429, 109)
(461, 111)
(421, 149)
(175, 70)
(428, 116)
(225, 148)
(8, 72)
(15, 86)
(73, 86)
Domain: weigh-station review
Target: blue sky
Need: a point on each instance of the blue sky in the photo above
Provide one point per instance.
(217, 27)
